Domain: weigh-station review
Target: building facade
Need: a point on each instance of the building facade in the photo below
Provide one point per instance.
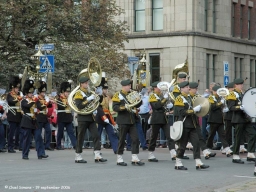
(208, 33)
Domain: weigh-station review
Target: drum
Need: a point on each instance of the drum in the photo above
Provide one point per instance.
(249, 102)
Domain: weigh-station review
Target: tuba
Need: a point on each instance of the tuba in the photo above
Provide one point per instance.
(93, 72)
(183, 67)
(223, 93)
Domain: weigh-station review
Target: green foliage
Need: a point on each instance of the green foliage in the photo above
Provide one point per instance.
(79, 31)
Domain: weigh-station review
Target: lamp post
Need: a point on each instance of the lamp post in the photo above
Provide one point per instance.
(36, 75)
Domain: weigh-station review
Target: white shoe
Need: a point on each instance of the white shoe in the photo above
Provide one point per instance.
(189, 146)
(242, 149)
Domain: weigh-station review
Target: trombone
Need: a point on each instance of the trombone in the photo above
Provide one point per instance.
(5, 104)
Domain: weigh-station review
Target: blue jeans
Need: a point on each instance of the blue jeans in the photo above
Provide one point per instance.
(48, 132)
(111, 135)
(141, 137)
(40, 149)
(2, 138)
(70, 132)
(103, 137)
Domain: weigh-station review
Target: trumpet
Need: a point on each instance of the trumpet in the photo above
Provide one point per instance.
(55, 100)
(5, 104)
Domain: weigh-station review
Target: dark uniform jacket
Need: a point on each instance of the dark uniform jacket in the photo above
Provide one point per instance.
(14, 100)
(124, 116)
(234, 102)
(81, 102)
(64, 112)
(157, 103)
(183, 108)
(196, 118)
(42, 106)
(215, 113)
(28, 107)
(228, 115)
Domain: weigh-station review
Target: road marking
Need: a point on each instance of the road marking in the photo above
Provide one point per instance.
(245, 176)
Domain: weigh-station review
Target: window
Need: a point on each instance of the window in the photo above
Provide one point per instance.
(252, 73)
(139, 15)
(249, 22)
(155, 67)
(207, 70)
(213, 67)
(214, 16)
(241, 21)
(235, 67)
(233, 20)
(240, 68)
(205, 15)
(157, 13)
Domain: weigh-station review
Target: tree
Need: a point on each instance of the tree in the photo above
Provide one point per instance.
(79, 31)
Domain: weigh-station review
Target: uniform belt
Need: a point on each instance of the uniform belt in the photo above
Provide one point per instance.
(143, 113)
(66, 111)
(29, 114)
(12, 107)
(44, 112)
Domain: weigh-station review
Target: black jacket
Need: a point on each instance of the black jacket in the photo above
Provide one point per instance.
(42, 106)
(183, 108)
(100, 116)
(215, 113)
(124, 116)
(27, 121)
(65, 117)
(81, 102)
(157, 103)
(234, 102)
(13, 101)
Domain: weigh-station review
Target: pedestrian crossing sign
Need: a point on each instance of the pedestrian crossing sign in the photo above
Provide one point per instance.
(46, 63)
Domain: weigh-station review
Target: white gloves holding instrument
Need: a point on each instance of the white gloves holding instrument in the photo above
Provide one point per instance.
(106, 121)
(90, 98)
(166, 95)
(47, 99)
(225, 110)
(242, 107)
(169, 106)
(197, 108)
(222, 101)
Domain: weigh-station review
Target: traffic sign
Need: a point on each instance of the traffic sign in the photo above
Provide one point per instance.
(226, 80)
(226, 68)
(45, 47)
(46, 64)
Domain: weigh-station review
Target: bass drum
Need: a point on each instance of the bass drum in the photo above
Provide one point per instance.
(249, 102)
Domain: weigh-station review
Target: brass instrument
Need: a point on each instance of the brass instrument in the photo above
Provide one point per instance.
(93, 72)
(165, 88)
(55, 100)
(5, 104)
(223, 93)
(133, 99)
(180, 68)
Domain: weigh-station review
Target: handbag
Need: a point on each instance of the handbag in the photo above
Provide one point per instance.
(176, 130)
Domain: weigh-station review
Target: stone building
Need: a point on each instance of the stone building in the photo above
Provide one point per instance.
(207, 32)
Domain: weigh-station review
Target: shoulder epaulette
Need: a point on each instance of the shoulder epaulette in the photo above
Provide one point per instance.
(78, 95)
(231, 96)
(179, 101)
(211, 99)
(152, 98)
(176, 89)
(116, 97)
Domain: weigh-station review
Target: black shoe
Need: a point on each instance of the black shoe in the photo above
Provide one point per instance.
(11, 151)
(173, 158)
(139, 163)
(43, 156)
(207, 157)
(212, 154)
(49, 148)
(59, 148)
(16, 147)
(20, 149)
(250, 159)
(122, 164)
(128, 149)
(180, 168)
(202, 166)
(229, 154)
(185, 157)
(2, 150)
(153, 160)
(80, 161)
(100, 160)
(25, 158)
(239, 161)
(144, 148)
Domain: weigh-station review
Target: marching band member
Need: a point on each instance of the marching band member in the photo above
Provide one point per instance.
(193, 87)
(126, 121)
(159, 120)
(82, 98)
(28, 123)
(241, 122)
(64, 116)
(2, 117)
(215, 120)
(13, 99)
(182, 76)
(183, 111)
(43, 102)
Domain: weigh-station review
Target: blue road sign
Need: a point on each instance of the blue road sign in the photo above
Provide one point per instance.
(226, 68)
(46, 63)
(226, 80)
(45, 47)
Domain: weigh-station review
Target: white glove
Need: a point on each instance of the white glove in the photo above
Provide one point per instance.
(2, 103)
(90, 98)
(35, 110)
(166, 95)
(98, 91)
(95, 112)
(121, 97)
(106, 121)
(197, 108)
(225, 110)
(169, 106)
(242, 107)
(47, 99)
(134, 111)
(21, 94)
(222, 101)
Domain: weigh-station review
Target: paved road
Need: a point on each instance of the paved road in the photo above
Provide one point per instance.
(60, 170)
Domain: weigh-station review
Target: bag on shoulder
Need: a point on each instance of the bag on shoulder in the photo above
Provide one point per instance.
(176, 130)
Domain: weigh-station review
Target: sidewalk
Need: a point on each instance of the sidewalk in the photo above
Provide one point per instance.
(245, 186)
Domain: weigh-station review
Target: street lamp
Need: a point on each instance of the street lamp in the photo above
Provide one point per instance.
(36, 75)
